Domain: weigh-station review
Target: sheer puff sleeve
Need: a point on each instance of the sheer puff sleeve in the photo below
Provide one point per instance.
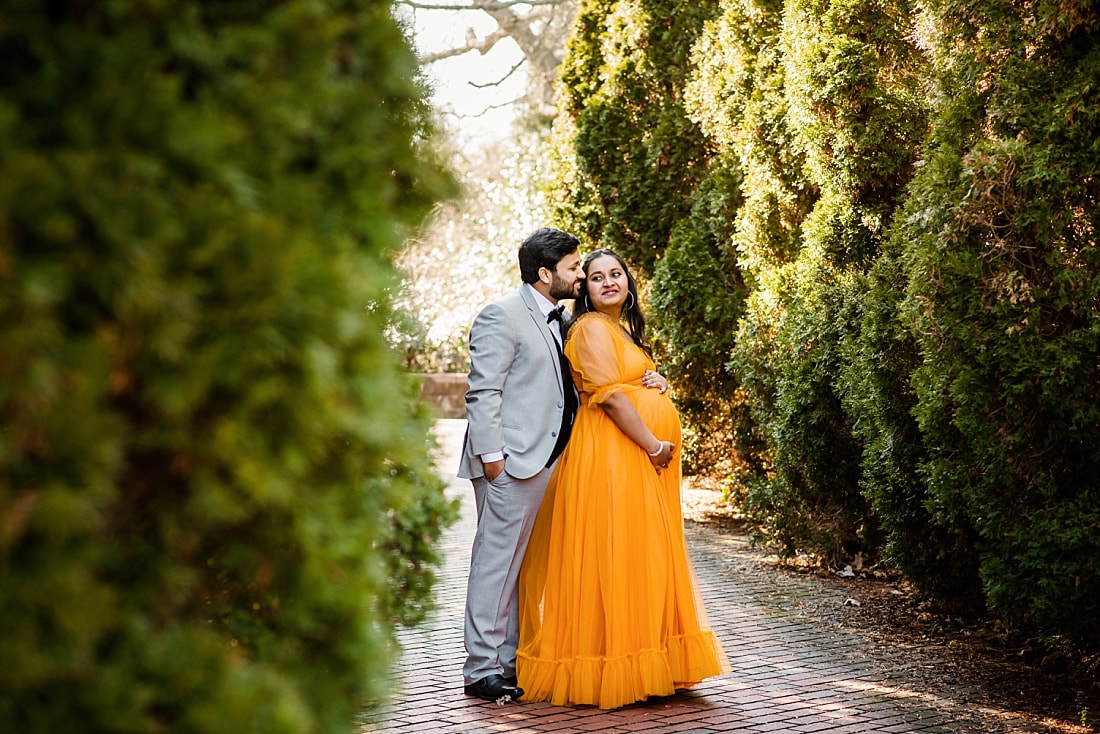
(595, 355)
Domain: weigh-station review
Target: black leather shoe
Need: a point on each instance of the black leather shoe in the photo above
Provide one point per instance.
(494, 688)
(511, 680)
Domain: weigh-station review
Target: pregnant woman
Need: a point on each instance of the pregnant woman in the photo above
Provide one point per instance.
(609, 611)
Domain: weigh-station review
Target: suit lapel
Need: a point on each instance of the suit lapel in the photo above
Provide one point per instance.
(540, 323)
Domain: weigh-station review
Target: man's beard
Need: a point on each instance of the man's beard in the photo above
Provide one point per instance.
(560, 289)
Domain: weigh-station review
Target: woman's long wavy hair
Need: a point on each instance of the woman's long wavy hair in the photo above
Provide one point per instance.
(635, 319)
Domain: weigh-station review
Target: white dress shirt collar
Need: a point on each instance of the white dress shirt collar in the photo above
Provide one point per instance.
(544, 303)
(545, 306)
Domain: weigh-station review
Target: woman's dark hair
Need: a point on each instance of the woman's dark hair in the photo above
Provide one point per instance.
(635, 319)
(544, 248)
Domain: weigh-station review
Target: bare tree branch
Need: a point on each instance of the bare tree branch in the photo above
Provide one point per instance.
(472, 44)
(500, 81)
(539, 30)
(494, 5)
(541, 57)
(488, 109)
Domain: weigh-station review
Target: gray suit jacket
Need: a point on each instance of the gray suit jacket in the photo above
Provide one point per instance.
(515, 397)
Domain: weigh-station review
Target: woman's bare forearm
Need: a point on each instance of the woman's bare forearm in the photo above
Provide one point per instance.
(624, 415)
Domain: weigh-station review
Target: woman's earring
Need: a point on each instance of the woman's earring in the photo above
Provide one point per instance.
(632, 299)
(587, 305)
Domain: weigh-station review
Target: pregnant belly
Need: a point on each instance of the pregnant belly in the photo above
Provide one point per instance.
(657, 412)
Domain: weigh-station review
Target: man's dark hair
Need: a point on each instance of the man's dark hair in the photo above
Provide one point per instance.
(544, 248)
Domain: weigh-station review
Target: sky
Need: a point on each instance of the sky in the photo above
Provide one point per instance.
(466, 107)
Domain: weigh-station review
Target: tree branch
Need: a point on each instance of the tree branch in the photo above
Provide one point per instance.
(500, 81)
(542, 58)
(539, 32)
(488, 109)
(498, 5)
(472, 44)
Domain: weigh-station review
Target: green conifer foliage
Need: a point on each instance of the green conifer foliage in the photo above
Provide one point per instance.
(697, 297)
(822, 102)
(933, 547)
(1003, 281)
(630, 157)
(215, 494)
(636, 174)
(736, 94)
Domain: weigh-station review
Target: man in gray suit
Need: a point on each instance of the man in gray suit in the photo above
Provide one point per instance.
(520, 407)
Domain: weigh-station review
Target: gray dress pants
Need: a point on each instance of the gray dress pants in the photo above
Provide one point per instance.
(506, 511)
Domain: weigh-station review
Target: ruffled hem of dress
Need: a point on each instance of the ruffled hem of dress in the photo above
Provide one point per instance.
(613, 682)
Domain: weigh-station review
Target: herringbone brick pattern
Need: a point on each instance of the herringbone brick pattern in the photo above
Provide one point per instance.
(792, 672)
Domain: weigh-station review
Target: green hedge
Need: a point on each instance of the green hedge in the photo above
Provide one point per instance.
(635, 173)
(215, 494)
(844, 83)
(631, 157)
(697, 296)
(931, 542)
(1003, 280)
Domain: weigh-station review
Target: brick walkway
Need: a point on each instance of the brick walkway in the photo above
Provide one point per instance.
(792, 672)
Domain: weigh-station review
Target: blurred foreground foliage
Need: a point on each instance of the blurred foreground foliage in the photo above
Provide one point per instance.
(216, 496)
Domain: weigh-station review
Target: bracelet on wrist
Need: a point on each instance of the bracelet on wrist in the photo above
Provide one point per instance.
(660, 448)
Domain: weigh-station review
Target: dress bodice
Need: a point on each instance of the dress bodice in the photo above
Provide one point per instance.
(603, 358)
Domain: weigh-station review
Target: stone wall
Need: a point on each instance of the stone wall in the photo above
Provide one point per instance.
(447, 392)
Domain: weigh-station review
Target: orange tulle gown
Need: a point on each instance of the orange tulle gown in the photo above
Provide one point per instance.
(610, 611)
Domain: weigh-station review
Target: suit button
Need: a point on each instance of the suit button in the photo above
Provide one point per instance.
(561, 404)
(553, 434)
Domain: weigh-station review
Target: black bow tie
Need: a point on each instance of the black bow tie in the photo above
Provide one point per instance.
(555, 314)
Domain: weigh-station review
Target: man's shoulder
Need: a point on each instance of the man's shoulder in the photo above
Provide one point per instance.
(513, 297)
(510, 301)
(508, 308)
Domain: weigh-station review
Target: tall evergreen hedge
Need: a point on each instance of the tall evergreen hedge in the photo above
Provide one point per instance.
(1003, 284)
(215, 495)
(821, 102)
(631, 156)
(635, 173)
(697, 296)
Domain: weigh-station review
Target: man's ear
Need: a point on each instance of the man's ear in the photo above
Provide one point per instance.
(545, 275)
